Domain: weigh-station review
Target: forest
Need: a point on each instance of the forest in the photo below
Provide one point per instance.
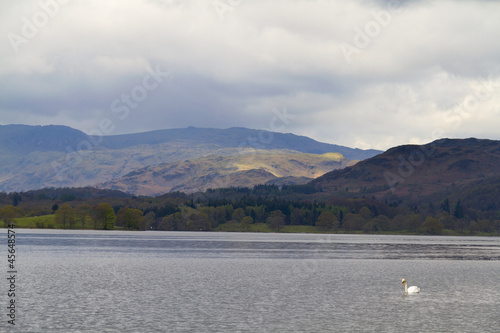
(262, 208)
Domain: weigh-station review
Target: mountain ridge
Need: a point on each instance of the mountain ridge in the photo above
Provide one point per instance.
(33, 157)
(237, 137)
(229, 137)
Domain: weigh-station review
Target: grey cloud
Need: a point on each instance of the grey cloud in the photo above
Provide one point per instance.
(415, 71)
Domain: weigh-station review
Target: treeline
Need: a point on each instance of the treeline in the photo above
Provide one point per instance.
(240, 208)
(335, 215)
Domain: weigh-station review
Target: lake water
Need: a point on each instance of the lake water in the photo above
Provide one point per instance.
(93, 281)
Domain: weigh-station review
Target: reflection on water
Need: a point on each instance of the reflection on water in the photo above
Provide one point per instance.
(84, 281)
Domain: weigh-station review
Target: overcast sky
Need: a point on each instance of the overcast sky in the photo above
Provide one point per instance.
(366, 73)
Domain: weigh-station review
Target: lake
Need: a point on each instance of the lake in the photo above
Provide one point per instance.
(112, 281)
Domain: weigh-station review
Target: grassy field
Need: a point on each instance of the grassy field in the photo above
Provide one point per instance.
(48, 221)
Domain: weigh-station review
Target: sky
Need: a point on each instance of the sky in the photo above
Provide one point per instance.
(361, 73)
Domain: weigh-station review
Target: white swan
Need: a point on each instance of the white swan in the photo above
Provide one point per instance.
(411, 290)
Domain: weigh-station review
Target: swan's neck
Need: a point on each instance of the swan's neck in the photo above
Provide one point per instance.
(406, 288)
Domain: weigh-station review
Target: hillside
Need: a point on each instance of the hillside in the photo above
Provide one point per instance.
(33, 157)
(413, 172)
(239, 170)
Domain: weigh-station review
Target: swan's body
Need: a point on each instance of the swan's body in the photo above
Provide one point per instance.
(410, 290)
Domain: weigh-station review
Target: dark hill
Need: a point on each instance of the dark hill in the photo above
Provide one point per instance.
(413, 171)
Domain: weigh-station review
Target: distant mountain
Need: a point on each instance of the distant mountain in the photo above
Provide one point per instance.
(280, 167)
(24, 139)
(235, 137)
(33, 157)
(437, 169)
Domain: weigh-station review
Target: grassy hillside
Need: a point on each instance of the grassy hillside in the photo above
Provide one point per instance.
(215, 171)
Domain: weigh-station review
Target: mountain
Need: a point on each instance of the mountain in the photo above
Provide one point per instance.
(239, 170)
(437, 169)
(235, 137)
(33, 157)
